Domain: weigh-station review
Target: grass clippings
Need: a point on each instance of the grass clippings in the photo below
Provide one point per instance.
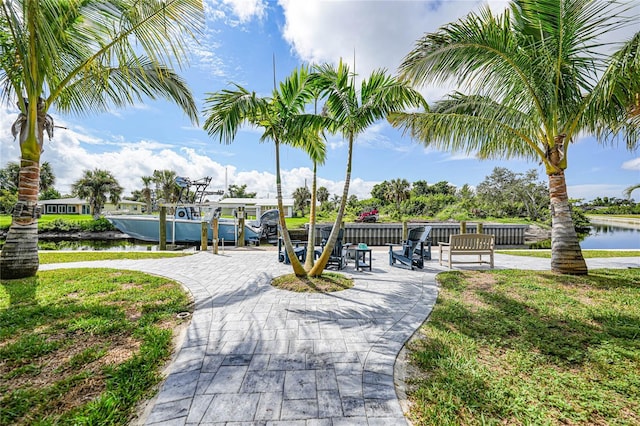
(529, 347)
(328, 282)
(84, 346)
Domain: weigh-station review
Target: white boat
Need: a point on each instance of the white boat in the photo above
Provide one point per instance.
(185, 224)
(147, 228)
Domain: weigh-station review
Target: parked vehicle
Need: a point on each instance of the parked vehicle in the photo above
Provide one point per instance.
(368, 216)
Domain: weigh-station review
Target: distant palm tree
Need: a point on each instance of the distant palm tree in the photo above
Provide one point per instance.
(82, 56)
(301, 197)
(147, 192)
(283, 118)
(322, 194)
(538, 78)
(398, 191)
(166, 187)
(94, 186)
(352, 111)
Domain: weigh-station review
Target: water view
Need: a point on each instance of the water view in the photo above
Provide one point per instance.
(606, 236)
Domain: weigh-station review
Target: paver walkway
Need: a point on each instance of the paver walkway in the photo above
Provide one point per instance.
(257, 355)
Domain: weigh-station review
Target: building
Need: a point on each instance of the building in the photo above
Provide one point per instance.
(254, 207)
(80, 206)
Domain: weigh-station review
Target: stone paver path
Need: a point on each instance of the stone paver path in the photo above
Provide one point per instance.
(256, 355)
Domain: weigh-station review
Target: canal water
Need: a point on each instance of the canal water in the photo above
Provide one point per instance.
(608, 236)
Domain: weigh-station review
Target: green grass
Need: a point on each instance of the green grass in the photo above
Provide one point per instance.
(529, 347)
(328, 282)
(5, 219)
(83, 346)
(81, 256)
(587, 254)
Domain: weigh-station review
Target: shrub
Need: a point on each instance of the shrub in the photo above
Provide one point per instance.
(97, 225)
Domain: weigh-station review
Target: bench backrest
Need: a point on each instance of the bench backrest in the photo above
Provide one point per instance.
(471, 242)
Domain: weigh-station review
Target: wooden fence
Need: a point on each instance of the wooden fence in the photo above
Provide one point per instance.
(379, 234)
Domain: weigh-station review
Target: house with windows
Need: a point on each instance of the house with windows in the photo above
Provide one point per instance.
(254, 207)
(79, 206)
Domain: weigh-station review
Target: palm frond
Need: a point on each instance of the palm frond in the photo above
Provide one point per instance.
(473, 125)
(99, 89)
(227, 110)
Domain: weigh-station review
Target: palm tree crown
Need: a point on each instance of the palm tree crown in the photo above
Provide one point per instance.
(82, 56)
(94, 186)
(537, 76)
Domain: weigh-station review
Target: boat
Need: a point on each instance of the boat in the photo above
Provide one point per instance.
(185, 224)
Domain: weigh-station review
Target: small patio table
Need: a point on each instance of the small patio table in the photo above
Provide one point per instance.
(361, 258)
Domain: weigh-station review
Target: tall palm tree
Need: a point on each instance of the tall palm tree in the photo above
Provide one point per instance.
(82, 56)
(282, 117)
(94, 186)
(537, 78)
(351, 112)
(147, 192)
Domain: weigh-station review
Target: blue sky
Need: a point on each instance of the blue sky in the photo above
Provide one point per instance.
(238, 44)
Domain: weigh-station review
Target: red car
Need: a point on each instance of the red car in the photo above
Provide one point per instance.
(370, 216)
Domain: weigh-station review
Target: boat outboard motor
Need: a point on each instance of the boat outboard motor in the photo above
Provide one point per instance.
(269, 224)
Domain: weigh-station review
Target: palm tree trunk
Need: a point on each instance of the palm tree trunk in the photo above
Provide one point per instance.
(566, 255)
(317, 269)
(311, 240)
(298, 269)
(19, 257)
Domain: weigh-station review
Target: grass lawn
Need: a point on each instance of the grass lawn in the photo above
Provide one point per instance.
(529, 347)
(84, 346)
(81, 256)
(5, 219)
(587, 254)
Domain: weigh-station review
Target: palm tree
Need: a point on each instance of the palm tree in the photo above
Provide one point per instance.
(398, 191)
(352, 111)
(283, 119)
(322, 194)
(537, 78)
(166, 187)
(93, 186)
(82, 56)
(147, 192)
(301, 197)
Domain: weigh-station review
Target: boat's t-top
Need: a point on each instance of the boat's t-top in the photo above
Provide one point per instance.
(191, 196)
(193, 191)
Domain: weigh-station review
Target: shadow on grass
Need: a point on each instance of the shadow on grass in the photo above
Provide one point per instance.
(541, 351)
(21, 292)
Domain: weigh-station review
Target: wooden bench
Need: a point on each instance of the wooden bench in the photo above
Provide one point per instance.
(467, 244)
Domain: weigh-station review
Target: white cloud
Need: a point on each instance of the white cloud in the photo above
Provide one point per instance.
(632, 164)
(379, 33)
(246, 10)
(72, 152)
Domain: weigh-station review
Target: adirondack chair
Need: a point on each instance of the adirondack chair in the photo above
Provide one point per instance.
(425, 244)
(300, 250)
(338, 256)
(413, 253)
